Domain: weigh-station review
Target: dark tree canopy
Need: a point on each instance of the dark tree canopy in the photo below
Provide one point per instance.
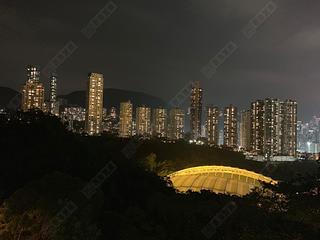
(43, 167)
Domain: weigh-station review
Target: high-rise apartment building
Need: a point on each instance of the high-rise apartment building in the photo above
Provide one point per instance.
(176, 124)
(94, 112)
(33, 73)
(245, 130)
(159, 122)
(125, 123)
(54, 104)
(212, 125)
(289, 141)
(32, 91)
(257, 127)
(230, 128)
(143, 121)
(196, 110)
(274, 127)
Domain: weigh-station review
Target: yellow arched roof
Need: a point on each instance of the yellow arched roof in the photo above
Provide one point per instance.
(218, 179)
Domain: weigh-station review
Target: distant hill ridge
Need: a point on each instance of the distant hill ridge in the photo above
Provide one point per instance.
(112, 98)
(6, 95)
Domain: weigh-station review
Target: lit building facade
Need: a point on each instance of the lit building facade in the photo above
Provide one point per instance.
(176, 124)
(125, 122)
(94, 115)
(159, 122)
(74, 113)
(54, 104)
(257, 127)
(274, 128)
(196, 111)
(230, 128)
(212, 125)
(133, 128)
(75, 118)
(289, 124)
(309, 136)
(111, 122)
(143, 121)
(245, 130)
(33, 91)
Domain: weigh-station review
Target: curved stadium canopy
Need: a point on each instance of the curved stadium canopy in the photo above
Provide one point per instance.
(218, 179)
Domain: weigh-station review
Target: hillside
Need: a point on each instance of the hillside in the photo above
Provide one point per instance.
(6, 95)
(112, 98)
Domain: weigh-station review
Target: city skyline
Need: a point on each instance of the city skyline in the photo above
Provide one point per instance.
(159, 72)
(51, 94)
(269, 128)
(185, 119)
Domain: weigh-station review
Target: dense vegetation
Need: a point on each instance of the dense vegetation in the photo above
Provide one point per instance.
(174, 157)
(44, 170)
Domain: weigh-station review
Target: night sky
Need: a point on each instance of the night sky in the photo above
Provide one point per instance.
(157, 47)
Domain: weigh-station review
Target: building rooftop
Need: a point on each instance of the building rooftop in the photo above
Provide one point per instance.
(218, 179)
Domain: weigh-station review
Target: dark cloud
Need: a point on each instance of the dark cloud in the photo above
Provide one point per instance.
(159, 46)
